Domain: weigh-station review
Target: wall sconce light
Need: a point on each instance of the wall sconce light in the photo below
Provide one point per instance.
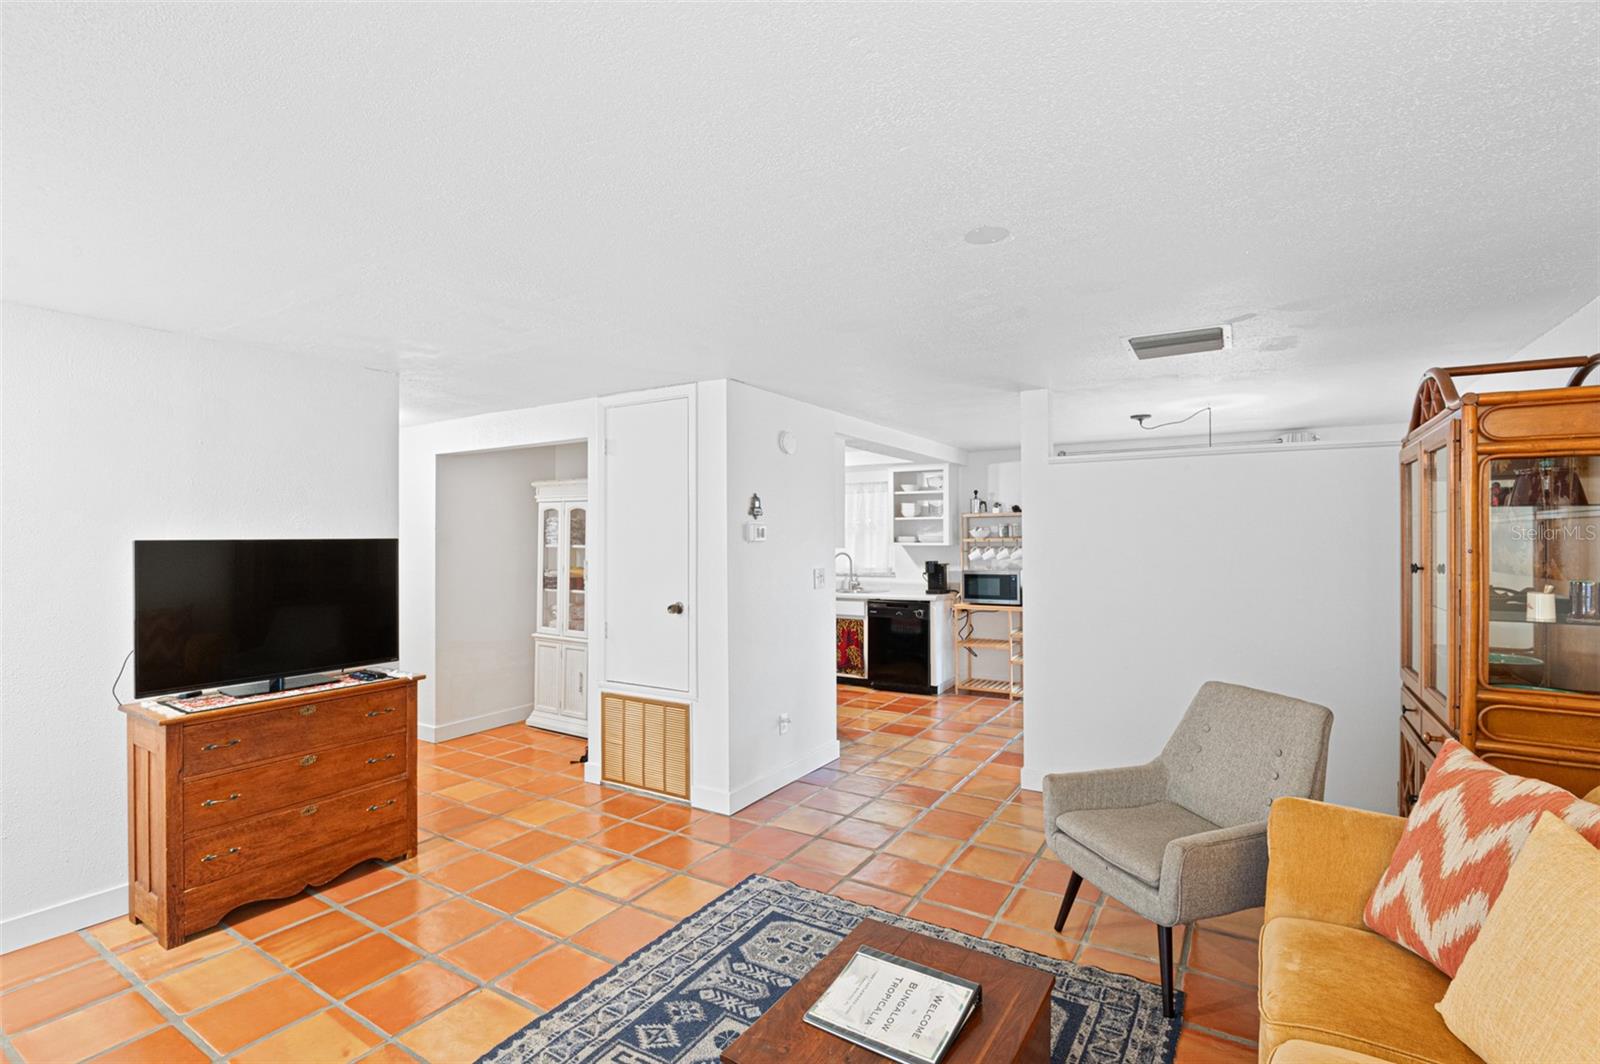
(755, 506)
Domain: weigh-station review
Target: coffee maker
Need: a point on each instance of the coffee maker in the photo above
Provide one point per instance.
(938, 577)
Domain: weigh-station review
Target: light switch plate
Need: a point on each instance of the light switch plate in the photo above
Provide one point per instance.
(755, 532)
(819, 578)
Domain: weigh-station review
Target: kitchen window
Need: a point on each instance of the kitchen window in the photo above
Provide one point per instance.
(869, 525)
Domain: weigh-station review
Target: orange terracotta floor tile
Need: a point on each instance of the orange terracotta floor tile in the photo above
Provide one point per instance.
(402, 1000)
(150, 961)
(830, 856)
(263, 918)
(362, 963)
(212, 980)
(321, 934)
(895, 873)
(120, 934)
(82, 1034)
(497, 950)
(165, 1045)
(625, 880)
(44, 999)
(622, 933)
(45, 957)
(679, 896)
(553, 976)
(360, 881)
(564, 915)
(517, 891)
(925, 848)
(469, 1028)
(961, 891)
(333, 1035)
(259, 1011)
(729, 866)
(920, 815)
(444, 925)
(676, 851)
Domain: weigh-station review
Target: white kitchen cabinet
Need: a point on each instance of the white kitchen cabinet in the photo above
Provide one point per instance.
(575, 684)
(560, 643)
(922, 505)
(563, 558)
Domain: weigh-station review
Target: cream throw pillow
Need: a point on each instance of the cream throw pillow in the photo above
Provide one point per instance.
(1529, 986)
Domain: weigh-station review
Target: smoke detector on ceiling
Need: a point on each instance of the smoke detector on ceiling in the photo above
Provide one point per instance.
(1188, 342)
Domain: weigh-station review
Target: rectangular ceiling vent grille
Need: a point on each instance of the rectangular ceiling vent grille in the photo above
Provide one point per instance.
(1188, 342)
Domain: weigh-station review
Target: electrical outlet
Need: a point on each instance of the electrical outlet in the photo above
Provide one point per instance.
(783, 723)
(819, 578)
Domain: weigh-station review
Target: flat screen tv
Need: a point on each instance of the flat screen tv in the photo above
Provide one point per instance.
(209, 613)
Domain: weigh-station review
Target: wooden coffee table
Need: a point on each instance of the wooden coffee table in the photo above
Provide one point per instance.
(1012, 1022)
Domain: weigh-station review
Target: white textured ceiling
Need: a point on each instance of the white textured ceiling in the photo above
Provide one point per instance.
(518, 204)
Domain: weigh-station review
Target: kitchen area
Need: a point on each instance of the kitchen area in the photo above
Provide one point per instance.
(928, 591)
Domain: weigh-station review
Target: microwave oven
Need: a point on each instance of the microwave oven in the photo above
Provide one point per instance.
(993, 588)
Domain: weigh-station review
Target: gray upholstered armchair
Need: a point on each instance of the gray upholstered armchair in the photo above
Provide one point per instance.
(1184, 838)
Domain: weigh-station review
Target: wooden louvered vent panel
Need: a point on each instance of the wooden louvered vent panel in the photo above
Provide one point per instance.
(646, 744)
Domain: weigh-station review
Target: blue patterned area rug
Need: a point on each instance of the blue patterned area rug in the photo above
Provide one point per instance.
(695, 989)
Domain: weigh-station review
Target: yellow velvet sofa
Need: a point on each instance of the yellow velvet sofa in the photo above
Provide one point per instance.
(1331, 990)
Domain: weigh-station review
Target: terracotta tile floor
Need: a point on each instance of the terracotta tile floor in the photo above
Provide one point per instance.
(529, 883)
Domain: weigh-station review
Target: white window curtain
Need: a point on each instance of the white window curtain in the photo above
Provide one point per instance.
(868, 526)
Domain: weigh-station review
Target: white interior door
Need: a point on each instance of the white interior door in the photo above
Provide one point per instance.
(647, 486)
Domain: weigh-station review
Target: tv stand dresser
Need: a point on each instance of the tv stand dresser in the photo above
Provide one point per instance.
(262, 799)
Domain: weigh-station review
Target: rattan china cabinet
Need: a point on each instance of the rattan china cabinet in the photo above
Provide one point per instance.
(1500, 576)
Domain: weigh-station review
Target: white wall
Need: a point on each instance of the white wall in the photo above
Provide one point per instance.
(113, 433)
(1577, 334)
(420, 448)
(486, 554)
(780, 628)
(1272, 569)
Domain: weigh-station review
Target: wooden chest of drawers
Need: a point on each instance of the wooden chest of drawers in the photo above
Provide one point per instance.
(264, 799)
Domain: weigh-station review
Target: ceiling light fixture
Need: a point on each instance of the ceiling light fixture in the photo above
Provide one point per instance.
(1188, 342)
(1206, 410)
(988, 234)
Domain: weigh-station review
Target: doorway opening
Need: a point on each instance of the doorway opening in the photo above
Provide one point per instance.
(489, 572)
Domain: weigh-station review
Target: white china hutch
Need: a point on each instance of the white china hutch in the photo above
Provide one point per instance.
(561, 643)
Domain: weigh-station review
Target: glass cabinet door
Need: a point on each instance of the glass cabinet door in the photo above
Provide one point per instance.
(1411, 564)
(1543, 628)
(577, 544)
(1436, 477)
(550, 568)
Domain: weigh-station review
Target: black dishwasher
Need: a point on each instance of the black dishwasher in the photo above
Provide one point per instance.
(897, 646)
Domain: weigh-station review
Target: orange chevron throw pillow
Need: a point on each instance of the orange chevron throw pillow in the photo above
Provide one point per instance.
(1468, 825)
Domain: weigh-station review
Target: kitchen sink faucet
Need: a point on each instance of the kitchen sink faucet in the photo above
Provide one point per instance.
(851, 583)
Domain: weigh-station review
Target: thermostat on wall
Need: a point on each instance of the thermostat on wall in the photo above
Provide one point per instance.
(755, 532)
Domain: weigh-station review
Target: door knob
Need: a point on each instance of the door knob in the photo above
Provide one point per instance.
(676, 607)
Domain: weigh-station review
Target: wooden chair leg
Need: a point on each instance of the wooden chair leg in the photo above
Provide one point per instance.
(1066, 900)
(1164, 946)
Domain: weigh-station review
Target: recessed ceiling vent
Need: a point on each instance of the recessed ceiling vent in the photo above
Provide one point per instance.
(1188, 342)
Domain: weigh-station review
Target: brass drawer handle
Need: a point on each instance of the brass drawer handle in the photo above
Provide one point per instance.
(219, 746)
(209, 802)
(379, 712)
(308, 810)
(375, 760)
(380, 805)
(1430, 738)
(306, 711)
(229, 852)
(308, 760)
